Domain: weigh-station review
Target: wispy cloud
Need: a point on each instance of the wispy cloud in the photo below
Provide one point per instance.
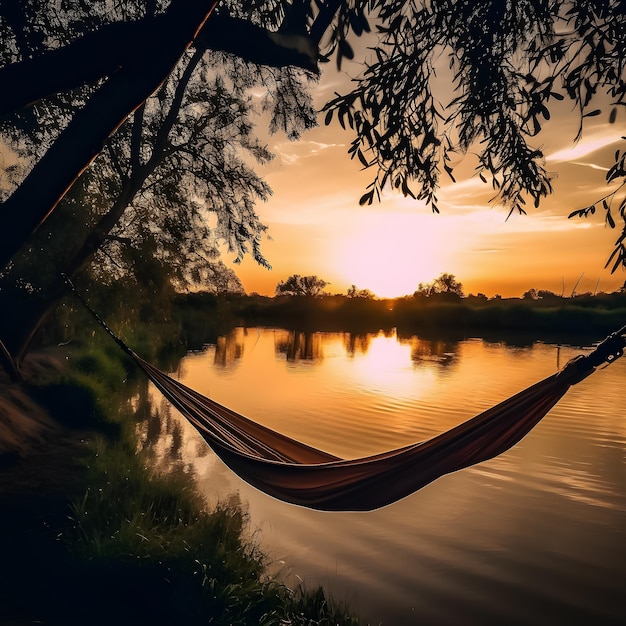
(593, 166)
(292, 152)
(598, 140)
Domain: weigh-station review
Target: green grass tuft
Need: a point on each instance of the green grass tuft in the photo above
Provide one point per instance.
(141, 547)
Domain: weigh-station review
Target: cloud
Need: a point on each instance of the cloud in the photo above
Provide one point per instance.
(289, 152)
(596, 140)
(593, 166)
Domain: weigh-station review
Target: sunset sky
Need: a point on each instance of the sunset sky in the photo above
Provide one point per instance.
(317, 226)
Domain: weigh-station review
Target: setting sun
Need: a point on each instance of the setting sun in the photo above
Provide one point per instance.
(391, 252)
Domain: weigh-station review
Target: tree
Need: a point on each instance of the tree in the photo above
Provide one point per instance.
(297, 285)
(142, 46)
(509, 63)
(164, 173)
(107, 61)
(354, 292)
(445, 285)
(477, 298)
(148, 194)
(495, 52)
(547, 295)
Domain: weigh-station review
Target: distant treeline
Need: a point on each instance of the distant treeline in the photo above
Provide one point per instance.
(587, 314)
(167, 330)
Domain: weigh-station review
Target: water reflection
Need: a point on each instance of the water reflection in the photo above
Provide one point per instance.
(161, 432)
(504, 542)
(228, 349)
(300, 346)
(437, 351)
(357, 343)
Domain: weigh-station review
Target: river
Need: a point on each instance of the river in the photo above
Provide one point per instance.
(535, 536)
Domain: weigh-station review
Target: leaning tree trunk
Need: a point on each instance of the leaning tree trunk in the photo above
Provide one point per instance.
(39, 309)
(82, 140)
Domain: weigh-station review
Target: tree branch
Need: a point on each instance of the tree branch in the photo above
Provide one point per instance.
(257, 45)
(82, 140)
(100, 54)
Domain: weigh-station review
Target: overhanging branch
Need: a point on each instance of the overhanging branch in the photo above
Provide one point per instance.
(100, 54)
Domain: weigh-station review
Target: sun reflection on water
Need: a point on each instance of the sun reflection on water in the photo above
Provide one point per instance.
(533, 523)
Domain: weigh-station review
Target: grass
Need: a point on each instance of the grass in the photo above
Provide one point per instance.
(203, 567)
(135, 546)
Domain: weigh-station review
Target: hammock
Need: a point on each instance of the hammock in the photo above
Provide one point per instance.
(297, 473)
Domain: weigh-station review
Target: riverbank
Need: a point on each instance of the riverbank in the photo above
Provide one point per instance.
(90, 535)
(42, 467)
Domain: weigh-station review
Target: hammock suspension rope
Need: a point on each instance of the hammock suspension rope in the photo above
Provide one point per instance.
(300, 474)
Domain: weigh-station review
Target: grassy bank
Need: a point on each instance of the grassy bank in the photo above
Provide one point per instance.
(124, 544)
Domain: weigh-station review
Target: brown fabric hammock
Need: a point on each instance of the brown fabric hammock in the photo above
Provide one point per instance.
(294, 472)
(297, 473)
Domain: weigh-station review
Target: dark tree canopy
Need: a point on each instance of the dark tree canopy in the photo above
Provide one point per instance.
(87, 85)
(445, 284)
(509, 63)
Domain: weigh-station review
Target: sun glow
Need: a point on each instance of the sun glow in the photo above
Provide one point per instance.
(390, 253)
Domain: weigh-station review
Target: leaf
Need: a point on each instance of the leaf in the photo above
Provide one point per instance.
(613, 115)
(593, 113)
(619, 252)
(449, 172)
(346, 49)
(406, 190)
(578, 213)
(329, 117)
(355, 24)
(366, 198)
(610, 220)
(362, 158)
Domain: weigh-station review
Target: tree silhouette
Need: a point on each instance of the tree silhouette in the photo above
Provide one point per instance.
(125, 53)
(355, 292)
(297, 285)
(445, 285)
(171, 167)
(509, 62)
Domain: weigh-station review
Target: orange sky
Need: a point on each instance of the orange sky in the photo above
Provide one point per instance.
(317, 226)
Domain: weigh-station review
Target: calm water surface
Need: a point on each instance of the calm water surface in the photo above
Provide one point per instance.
(535, 536)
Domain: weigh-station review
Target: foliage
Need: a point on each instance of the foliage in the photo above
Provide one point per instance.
(142, 545)
(508, 64)
(198, 565)
(353, 292)
(445, 285)
(296, 285)
(171, 187)
(614, 200)
(581, 315)
(174, 182)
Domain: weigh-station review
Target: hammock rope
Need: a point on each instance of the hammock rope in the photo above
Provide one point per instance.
(300, 474)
